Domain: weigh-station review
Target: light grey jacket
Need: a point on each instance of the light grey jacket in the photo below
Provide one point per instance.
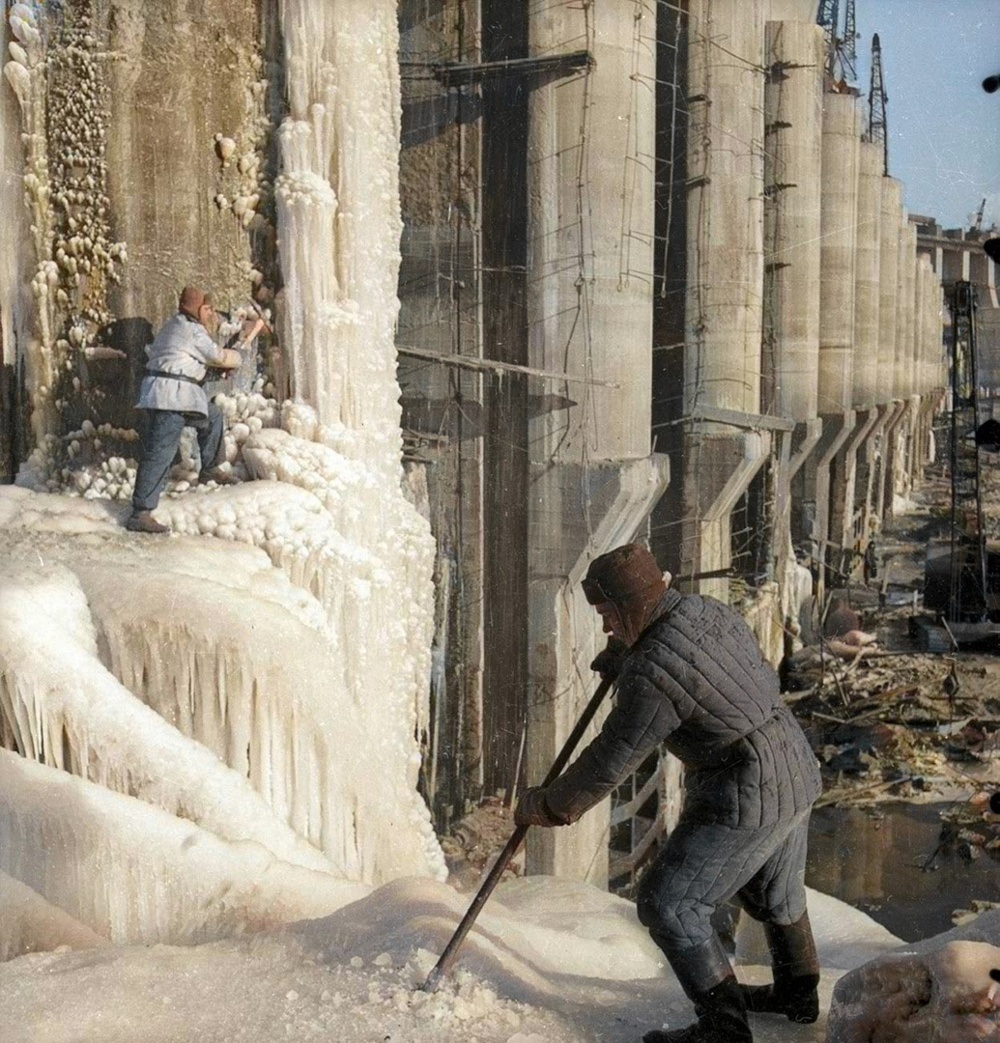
(183, 346)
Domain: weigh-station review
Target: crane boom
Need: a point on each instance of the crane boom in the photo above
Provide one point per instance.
(877, 99)
(849, 50)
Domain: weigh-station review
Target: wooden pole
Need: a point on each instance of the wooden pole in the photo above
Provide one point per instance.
(450, 953)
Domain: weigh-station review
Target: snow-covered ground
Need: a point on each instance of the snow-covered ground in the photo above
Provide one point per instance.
(549, 962)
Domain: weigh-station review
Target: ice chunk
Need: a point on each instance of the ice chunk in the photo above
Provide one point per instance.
(944, 995)
(28, 923)
(133, 873)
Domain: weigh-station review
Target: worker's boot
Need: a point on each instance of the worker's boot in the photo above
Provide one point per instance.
(220, 477)
(143, 521)
(796, 974)
(721, 1008)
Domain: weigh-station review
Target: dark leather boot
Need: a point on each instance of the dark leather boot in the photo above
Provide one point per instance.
(143, 521)
(722, 1018)
(707, 979)
(214, 474)
(796, 974)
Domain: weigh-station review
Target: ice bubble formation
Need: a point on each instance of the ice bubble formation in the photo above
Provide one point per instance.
(62, 100)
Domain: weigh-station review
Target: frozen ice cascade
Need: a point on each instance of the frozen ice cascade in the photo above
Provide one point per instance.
(220, 731)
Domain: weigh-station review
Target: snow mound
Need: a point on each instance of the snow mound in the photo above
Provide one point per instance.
(531, 971)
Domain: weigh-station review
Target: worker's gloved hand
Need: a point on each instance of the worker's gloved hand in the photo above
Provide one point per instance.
(532, 809)
(609, 662)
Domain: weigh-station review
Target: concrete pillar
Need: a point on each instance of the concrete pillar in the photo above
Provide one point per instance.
(725, 269)
(725, 205)
(867, 276)
(903, 376)
(918, 459)
(593, 481)
(854, 466)
(839, 215)
(793, 96)
(898, 448)
(793, 124)
(839, 207)
(888, 287)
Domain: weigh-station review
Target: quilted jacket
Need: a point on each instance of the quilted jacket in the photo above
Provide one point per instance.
(697, 682)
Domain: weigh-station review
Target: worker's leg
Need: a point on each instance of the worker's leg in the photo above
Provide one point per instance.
(160, 435)
(701, 866)
(776, 896)
(209, 431)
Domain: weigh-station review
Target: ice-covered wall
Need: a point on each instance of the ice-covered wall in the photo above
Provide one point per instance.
(338, 215)
(175, 679)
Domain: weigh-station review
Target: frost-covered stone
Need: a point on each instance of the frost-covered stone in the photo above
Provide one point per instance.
(942, 996)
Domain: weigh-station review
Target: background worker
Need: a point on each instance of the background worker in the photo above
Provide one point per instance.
(172, 397)
(693, 678)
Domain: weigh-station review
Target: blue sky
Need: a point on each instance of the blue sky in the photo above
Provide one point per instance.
(944, 129)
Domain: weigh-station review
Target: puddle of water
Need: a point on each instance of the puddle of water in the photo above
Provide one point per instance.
(874, 862)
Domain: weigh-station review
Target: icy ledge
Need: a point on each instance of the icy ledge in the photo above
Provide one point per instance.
(259, 734)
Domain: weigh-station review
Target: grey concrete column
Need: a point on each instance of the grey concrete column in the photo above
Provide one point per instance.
(725, 271)
(867, 276)
(889, 226)
(593, 481)
(793, 126)
(838, 290)
(725, 205)
(793, 129)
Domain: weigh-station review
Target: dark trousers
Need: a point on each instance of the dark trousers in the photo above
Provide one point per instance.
(703, 865)
(159, 437)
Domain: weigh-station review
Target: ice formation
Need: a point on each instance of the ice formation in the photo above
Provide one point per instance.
(547, 963)
(222, 728)
(339, 220)
(133, 873)
(61, 707)
(60, 93)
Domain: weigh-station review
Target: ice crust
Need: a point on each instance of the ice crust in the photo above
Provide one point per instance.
(133, 873)
(531, 971)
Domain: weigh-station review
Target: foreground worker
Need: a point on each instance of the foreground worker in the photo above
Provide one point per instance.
(173, 397)
(691, 676)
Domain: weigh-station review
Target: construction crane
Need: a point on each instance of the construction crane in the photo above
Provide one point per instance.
(977, 221)
(876, 105)
(969, 595)
(849, 50)
(841, 53)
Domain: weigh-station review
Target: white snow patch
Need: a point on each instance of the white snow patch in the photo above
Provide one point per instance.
(355, 976)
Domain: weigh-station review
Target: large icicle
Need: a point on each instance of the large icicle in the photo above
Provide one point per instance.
(133, 873)
(339, 219)
(366, 688)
